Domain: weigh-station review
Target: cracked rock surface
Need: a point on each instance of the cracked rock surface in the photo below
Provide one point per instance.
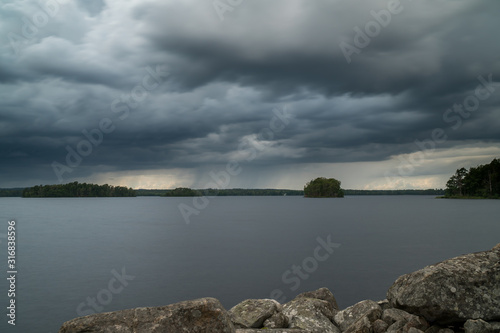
(452, 291)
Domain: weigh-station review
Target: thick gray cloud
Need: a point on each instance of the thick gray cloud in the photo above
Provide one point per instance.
(171, 86)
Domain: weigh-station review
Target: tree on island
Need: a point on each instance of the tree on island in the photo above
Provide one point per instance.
(482, 181)
(323, 188)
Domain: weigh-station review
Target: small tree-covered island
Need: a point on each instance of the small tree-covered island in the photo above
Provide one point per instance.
(76, 189)
(481, 182)
(323, 188)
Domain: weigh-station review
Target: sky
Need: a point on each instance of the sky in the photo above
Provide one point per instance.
(247, 94)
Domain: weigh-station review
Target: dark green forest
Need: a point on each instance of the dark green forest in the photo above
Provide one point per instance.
(482, 181)
(276, 192)
(150, 193)
(11, 192)
(76, 189)
(323, 188)
(187, 192)
(251, 192)
(395, 192)
(182, 192)
(18, 192)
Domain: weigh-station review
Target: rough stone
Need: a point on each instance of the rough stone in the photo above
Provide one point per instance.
(391, 316)
(452, 291)
(404, 319)
(322, 293)
(481, 326)
(380, 326)
(416, 322)
(413, 330)
(350, 315)
(196, 316)
(273, 330)
(396, 327)
(277, 320)
(362, 325)
(310, 314)
(252, 313)
(384, 304)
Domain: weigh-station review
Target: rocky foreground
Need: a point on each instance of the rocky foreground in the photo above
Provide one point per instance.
(457, 295)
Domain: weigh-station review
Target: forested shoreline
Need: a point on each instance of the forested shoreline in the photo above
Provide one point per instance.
(11, 192)
(18, 192)
(480, 182)
(76, 189)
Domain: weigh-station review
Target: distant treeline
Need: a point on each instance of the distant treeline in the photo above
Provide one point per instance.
(150, 193)
(482, 181)
(18, 192)
(76, 189)
(183, 192)
(395, 192)
(11, 192)
(251, 192)
(187, 192)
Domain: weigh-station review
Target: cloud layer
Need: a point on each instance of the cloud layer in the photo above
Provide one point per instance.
(161, 93)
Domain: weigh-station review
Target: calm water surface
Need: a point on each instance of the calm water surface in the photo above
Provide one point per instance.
(70, 250)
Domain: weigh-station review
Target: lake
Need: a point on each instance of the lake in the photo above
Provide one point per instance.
(81, 255)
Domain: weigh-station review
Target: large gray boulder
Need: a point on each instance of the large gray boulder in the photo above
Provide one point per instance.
(272, 330)
(379, 326)
(352, 314)
(197, 316)
(252, 313)
(414, 330)
(404, 320)
(311, 314)
(322, 293)
(390, 316)
(363, 325)
(277, 320)
(452, 291)
(480, 326)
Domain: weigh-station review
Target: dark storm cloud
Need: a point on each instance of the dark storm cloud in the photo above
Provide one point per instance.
(226, 77)
(435, 56)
